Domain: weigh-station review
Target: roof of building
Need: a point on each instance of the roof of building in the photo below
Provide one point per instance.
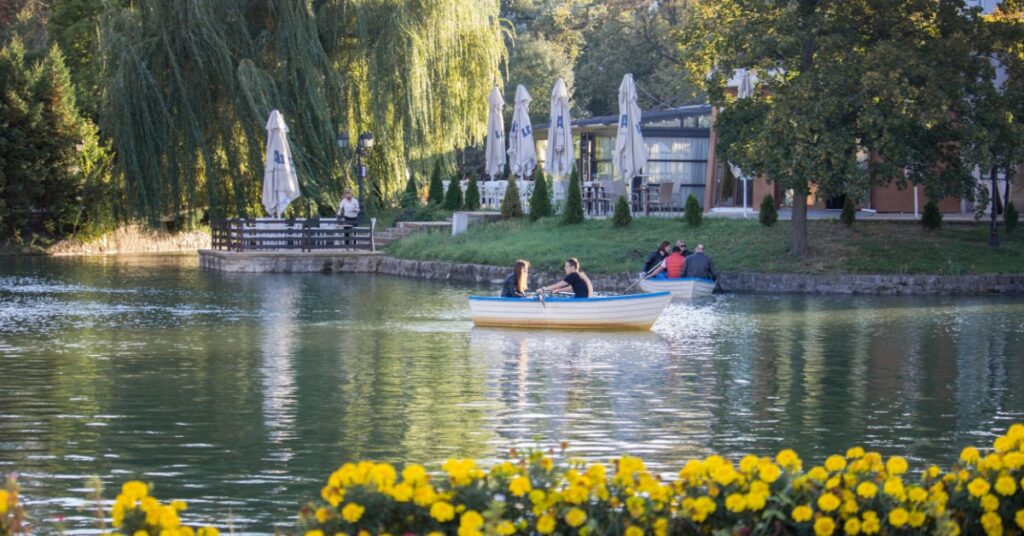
(647, 116)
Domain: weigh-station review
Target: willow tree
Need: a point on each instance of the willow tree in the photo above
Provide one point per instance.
(189, 85)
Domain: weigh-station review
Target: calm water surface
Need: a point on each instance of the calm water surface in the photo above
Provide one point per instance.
(240, 393)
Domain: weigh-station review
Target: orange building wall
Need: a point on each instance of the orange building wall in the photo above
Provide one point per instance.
(890, 198)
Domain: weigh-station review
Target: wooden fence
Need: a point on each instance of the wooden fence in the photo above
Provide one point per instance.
(267, 234)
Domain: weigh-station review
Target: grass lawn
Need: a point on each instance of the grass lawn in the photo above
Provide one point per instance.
(735, 245)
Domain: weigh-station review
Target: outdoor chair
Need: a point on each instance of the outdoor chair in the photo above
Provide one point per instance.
(661, 197)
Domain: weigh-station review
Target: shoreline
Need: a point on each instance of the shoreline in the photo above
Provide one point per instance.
(732, 282)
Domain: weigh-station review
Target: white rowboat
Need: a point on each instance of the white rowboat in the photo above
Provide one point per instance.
(683, 287)
(634, 311)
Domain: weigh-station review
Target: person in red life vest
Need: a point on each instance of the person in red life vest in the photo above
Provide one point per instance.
(672, 266)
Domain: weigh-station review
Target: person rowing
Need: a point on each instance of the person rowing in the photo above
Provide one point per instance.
(574, 279)
(672, 266)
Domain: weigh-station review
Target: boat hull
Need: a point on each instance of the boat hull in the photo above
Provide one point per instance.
(636, 311)
(686, 287)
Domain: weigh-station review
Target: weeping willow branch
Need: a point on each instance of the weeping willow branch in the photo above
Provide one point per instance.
(189, 84)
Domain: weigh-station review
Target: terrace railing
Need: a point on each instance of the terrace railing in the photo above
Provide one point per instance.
(312, 234)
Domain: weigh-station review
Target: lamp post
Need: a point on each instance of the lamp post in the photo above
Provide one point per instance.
(362, 150)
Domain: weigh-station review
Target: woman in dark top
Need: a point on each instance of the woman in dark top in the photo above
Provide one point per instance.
(574, 279)
(656, 257)
(515, 283)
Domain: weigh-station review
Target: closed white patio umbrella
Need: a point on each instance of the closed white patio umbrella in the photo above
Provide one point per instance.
(630, 152)
(280, 183)
(561, 153)
(744, 89)
(495, 149)
(522, 154)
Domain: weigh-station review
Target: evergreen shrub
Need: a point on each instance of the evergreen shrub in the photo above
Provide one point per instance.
(436, 193)
(931, 218)
(693, 214)
(411, 195)
(540, 199)
(511, 207)
(472, 195)
(573, 212)
(849, 213)
(768, 214)
(1011, 217)
(621, 217)
(453, 197)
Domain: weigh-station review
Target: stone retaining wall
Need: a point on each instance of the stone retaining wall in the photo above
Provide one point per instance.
(367, 262)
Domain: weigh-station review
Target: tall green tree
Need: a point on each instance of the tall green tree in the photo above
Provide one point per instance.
(435, 194)
(189, 85)
(891, 78)
(540, 197)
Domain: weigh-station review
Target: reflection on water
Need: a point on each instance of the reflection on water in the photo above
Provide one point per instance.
(241, 393)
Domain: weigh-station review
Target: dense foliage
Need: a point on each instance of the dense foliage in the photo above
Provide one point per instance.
(435, 193)
(1012, 217)
(931, 217)
(692, 213)
(849, 213)
(472, 194)
(453, 196)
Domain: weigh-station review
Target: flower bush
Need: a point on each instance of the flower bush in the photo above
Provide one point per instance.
(854, 493)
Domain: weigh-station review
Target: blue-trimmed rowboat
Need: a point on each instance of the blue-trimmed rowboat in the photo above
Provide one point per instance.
(634, 311)
(681, 287)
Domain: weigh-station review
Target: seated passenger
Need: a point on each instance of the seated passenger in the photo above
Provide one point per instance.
(672, 266)
(682, 245)
(574, 279)
(515, 283)
(699, 265)
(655, 258)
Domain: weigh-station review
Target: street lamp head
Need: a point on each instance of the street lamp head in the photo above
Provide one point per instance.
(343, 140)
(366, 140)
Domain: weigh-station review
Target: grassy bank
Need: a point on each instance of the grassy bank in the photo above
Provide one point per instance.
(735, 245)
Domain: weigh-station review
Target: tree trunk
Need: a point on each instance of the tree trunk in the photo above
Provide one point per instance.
(798, 225)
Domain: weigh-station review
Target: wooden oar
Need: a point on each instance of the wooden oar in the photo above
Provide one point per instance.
(641, 279)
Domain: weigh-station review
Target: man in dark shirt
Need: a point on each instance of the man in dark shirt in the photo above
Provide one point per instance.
(574, 279)
(699, 265)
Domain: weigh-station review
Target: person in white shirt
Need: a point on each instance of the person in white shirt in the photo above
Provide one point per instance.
(349, 209)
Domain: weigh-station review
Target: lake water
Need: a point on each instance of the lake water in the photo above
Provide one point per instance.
(241, 392)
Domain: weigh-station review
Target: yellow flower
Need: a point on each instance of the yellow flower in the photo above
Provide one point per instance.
(835, 463)
(322, 515)
(724, 474)
(817, 473)
(917, 494)
(748, 463)
(575, 517)
(520, 486)
(870, 525)
(442, 511)
(316, 532)
(414, 474)
(917, 518)
(703, 507)
(661, 527)
(978, 487)
(867, 490)
(850, 506)
(1002, 444)
(854, 453)
(898, 517)
(634, 531)
(352, 512)
(1014, 460)
(769, 472)
(140, 533)
(992, 461)
(1006, 486)
(208, 531)
(402, 492)
(5, 497)
(824, 526)
(134, 490)
(471, 520)
(989, 503)
(788, 459)
(424, 495)
(852, 526)
(970, 455)
(735, 503)
(991, 521)
(505, 528)
(692, 470)
(180, 506)
(828, 502)
(897, 465)
(894, 487)
(755, 501)
(802, 513)
(546, 524)
(1019, 518)
(635, 505)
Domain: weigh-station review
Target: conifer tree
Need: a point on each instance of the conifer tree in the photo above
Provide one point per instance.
(453, 197)
(931, 218)
(511, 206)
(622, 217)
(472, 195)
(540, 199)
(849, 213)
(573, 212)
(1011, 217)
(435, 195)
(411, 195)
(693, 213)
(768, 214)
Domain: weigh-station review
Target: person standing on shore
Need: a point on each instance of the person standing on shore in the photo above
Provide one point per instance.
(574, 279)
(349, 209)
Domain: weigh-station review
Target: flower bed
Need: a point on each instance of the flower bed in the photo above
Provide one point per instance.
(856, 493)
